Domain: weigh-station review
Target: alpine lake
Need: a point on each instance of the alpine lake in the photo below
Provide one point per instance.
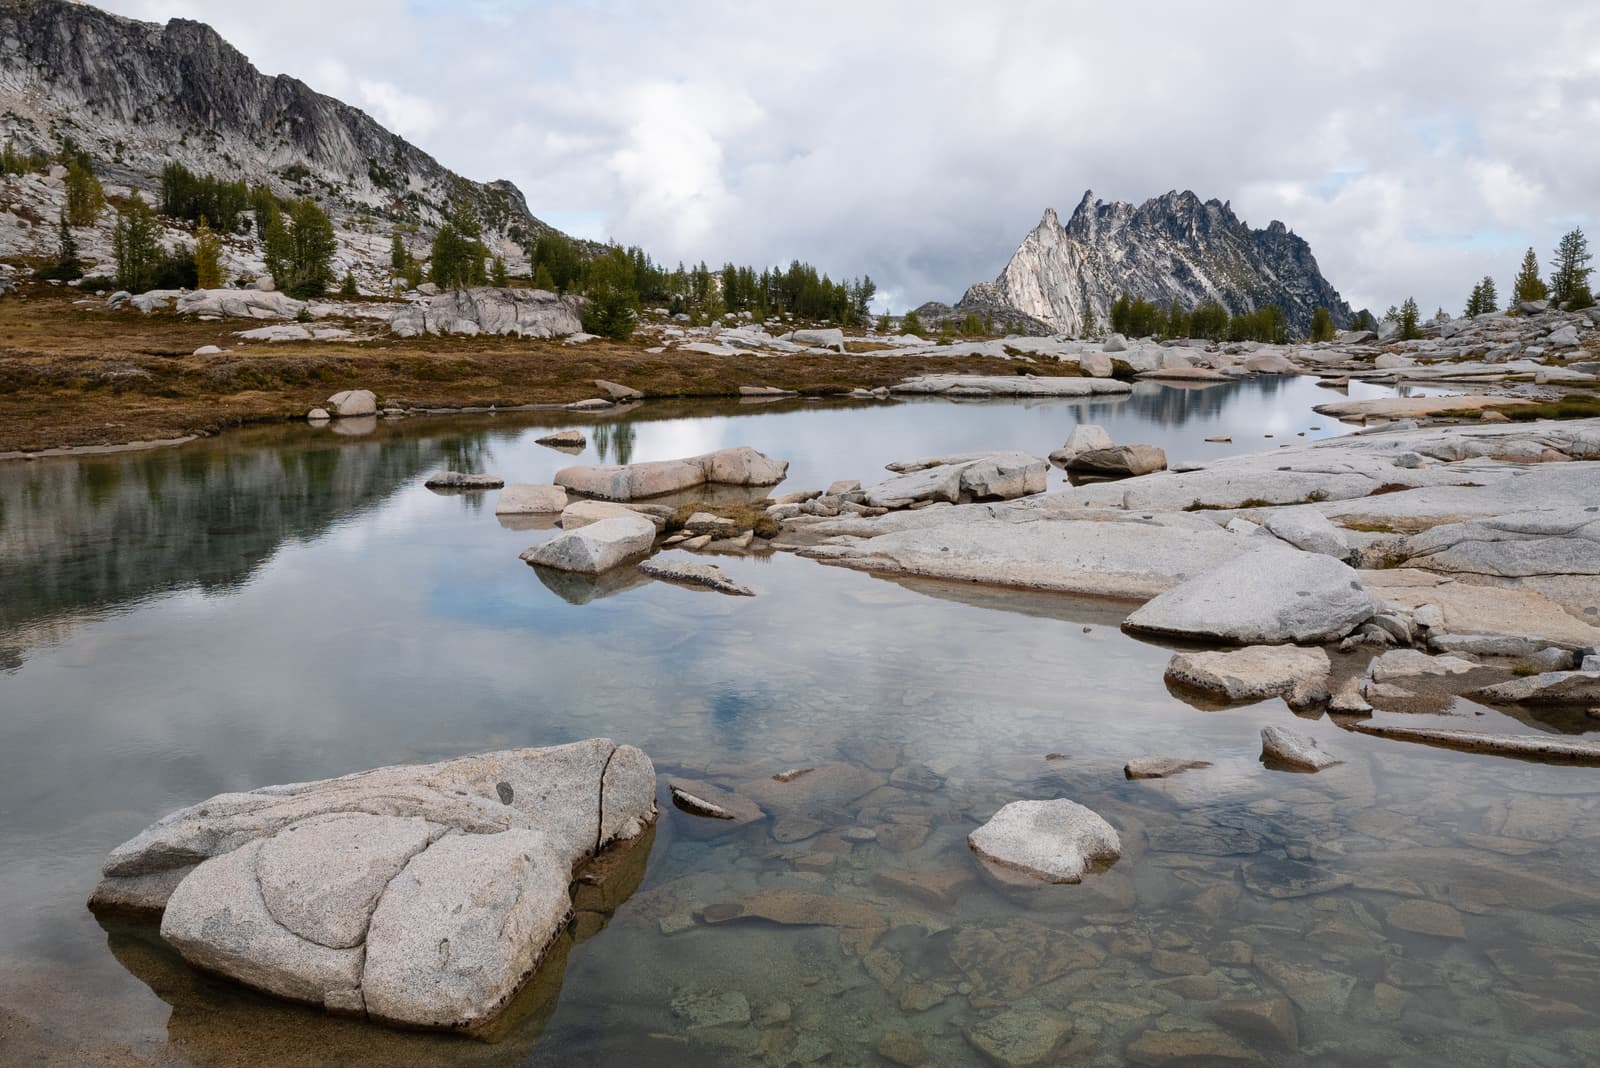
(290, 603)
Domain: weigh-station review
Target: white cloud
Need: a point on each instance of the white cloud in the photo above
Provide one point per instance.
(1416, 146)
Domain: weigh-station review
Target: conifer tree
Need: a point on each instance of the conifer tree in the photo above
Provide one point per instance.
(1321, 325)
(497, 275)
(67, 266)
(911, 323)
(612, 306)
(348, 288)
(134, 246)
(1528, 285)
(207, 257)
(399, 258)
(85, 199)
(1491, 299)
(542, 278)
(1409, 320)
(1474, 302)
(1569, 275)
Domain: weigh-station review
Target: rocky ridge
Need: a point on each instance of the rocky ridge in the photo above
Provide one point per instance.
(1171, 247)
(137, 95)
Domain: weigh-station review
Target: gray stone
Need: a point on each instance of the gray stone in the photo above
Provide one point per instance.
(1160, 767)
(617, 391)
(1085, 437)
(1120, 461)
(424, 894)
(740, 466)
(522, 498)
(1564, 338)
(1255, 673)
(597, 547)
(689, 573)
(582, 513)
(1266, 597)
(1019, 1038)
(463, 480)
(1544, 747)
(353, 402)
(317, 415)
(1306, 528)
(1409, 663)
(563, 439)
(1054, 841)
(1549, 688)
(1283, 747)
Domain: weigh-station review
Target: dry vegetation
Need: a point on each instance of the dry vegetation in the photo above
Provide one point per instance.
(80, 374)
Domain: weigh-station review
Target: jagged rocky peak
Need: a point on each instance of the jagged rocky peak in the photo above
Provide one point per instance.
(1172, 247)
(137, 95)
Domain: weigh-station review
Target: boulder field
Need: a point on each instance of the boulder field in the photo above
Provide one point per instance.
(415, 895)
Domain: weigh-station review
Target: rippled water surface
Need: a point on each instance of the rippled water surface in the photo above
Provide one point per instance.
(289, 604)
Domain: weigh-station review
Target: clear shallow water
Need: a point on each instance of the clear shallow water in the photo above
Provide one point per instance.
(289, 604)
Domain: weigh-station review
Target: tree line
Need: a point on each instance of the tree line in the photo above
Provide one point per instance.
(1209, 320)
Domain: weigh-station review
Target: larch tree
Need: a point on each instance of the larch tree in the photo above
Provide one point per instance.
(1528, 285)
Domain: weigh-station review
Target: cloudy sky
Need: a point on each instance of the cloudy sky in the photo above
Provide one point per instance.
(1417, 146)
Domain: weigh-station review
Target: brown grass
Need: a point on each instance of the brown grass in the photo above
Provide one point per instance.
(80, 374)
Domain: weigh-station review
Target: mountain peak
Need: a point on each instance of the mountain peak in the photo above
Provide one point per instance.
(1174, 247)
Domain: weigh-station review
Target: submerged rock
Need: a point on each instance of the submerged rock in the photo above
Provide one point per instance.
(1410, 664)
(1544, 747)
(1160, 767)
(1053, 841)
(981, 476)
(1255, 673)
(420, 895)
(1265, 597)
(597, 547)
(1286, 748)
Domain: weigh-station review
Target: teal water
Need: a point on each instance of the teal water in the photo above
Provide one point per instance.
(288, 604)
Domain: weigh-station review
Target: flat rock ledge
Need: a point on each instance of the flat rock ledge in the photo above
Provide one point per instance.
(1265, 597)
(1055, 841)
(462, 480)
(1158, 767)
(416, 895)
(741, 466)
(689, 573)
(1283, 748)
(1255, 673)
(1529, 746)
(1548, 688)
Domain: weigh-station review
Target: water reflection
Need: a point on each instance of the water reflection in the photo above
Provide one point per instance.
(282, 606)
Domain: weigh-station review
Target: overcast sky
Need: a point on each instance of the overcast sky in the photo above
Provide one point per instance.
(1416, 146)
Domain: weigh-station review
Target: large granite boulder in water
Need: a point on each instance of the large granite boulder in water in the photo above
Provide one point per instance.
(597, 547)
(1261, 598)
(741, 466)
(420, 895)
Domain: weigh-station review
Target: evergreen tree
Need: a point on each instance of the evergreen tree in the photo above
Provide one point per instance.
(207, 257)
(134, 246)
(497, 275)
(884, 325)
(612, 304)
(1409, 321)
(67, 266)
(542, 278)
(1528, 285)
(1474, 302)
(399, 258)
(348, 288)
(1321, 325)
(85, 199)
(1569, 275)
(299, 247)
(1491, 299)
(911, 323)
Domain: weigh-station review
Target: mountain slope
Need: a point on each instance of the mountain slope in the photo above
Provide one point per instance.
(136, 95)
(1172, 247)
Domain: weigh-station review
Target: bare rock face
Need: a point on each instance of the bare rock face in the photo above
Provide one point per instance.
(1170, 248)
(420, 895)
(1054, 841)
(485, 310)
(741, 466)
